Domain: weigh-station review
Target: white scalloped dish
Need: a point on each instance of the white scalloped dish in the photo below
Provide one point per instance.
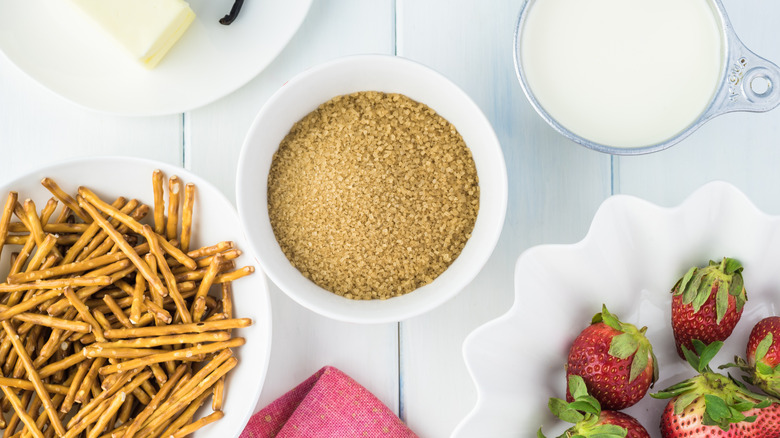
(631, 257)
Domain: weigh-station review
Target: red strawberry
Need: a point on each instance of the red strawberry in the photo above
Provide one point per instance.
(763, 356)
(707, 303)
(615, 360)
(715, 405)
(590, 421)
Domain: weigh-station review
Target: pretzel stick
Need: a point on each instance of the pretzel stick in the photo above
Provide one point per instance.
(65, 198)
(36, 228)
(211, 250)
(117, 311)
(199, 303)
(21, 412)
(41, 253)
(57, 283)
(62, 305)
(159, 312)
(33, 375)
(101, 244)
(186, 216)
(118, 353)
(57, 227)
(219, 395)
(134, 225)
(84, 313)
(173, 289)
(78, 379)
(171, 355)
(200, 327)
(159, 202)
(52, 322)
(150, 408)
(138, 298)
(157, 341)
(87, 420)
(112, 409)
(29, 304)
(165, 412)
(195, 425)
(174, 199)
(28, 386)
(13, 422)
(62, 364)
(21, 257)
(126, 411)
(74, 267)
(8, 211)
(92, 231)
(235, 275)
(159, 373)
(150, 277)
(185, 417)
(116, 386)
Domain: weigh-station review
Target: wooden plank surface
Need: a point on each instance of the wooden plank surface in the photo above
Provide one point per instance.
(554, 189)
(303, 342)
(555, 186)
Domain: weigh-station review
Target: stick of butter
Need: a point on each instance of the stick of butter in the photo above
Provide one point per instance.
(146, 28)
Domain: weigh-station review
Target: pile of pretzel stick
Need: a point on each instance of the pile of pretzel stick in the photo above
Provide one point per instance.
(112, 325)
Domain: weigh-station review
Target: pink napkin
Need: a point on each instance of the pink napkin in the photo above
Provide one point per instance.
(329, 404)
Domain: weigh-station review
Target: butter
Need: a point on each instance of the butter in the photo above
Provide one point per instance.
(147, 29)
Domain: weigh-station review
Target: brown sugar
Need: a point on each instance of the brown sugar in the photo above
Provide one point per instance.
(372, 195)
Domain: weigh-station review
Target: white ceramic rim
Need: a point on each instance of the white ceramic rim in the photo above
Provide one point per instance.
(372, 311)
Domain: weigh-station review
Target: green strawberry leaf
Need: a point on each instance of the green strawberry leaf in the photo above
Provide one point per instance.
(690, 292)
(721, 302)
(706, 353)
(731, 266)
(587, 404)
(577, 387)
(639, 364)
(607, 431)
(716, 408)
(608, 319)
(763, 347)
(655, 368)
(737, 289)
(561, 409)
(539, 433)
(702, 293)
(682, 401)
(691, 357)
(764, 369)
(623, 346)
(685, 280)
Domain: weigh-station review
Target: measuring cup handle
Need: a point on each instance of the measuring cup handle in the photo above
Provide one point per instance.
(752, 82)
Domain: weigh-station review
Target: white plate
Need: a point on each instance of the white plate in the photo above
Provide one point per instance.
(47, 41)
(630, 259)
(214, 220)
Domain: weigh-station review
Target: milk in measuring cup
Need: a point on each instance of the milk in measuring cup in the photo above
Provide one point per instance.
(623, 73)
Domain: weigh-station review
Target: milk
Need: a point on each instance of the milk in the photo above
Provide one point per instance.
(623, 73)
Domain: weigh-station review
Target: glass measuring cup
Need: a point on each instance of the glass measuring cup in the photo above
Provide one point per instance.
(747, 82)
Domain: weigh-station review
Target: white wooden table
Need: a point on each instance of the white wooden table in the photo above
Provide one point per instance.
(555, 186)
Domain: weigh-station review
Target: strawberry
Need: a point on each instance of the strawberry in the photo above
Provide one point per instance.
(707, 303)
(763, 356)
(715, 405)
(615, 360)
(588, 418)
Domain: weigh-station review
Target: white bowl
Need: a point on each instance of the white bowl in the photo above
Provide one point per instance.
(214, 220)
(630, 259)
(304, 94)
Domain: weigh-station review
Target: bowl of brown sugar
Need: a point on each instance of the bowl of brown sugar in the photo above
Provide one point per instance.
(371, 188)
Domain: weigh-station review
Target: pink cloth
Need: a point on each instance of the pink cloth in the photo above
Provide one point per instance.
(329, 404)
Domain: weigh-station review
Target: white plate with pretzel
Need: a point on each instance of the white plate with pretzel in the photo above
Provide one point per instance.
(132, 310)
